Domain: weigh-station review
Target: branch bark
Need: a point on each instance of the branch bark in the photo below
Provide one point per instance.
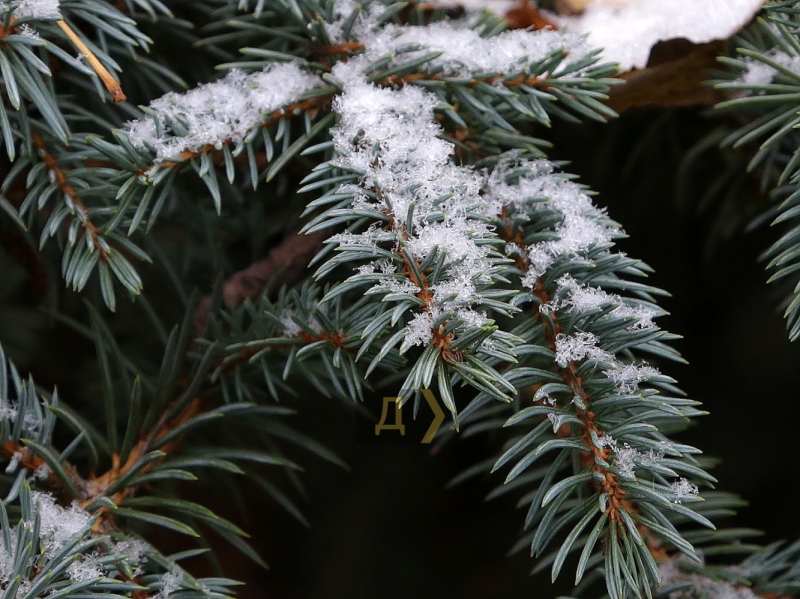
(285, 264)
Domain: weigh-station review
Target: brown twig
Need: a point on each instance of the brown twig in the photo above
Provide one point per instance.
(96, 487)
(335, 49)
(30, 461)
(112, 85)
(527, 15)
(286, 263)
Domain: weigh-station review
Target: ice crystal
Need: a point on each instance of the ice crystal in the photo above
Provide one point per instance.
(84, 569)
(14, 462)
(420, 329)
(26, 30)
(134, 551)
(58, 524)
(627, 458)
(581, 345)
(290, 327)
(581, 298)
(170, 582)
(683, 488)
(42, 471)
(627, 377)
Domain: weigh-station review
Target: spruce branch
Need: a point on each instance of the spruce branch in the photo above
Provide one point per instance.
(492, 281)
(80, 211)
(596, 456)
(170, 136)
(762, 86)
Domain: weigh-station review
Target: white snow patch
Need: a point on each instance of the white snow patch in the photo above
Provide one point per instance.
(627, 458)
(290, 327)
(584, 226)
(58, 524)
(390, 136)
(84, 569)
(627, 377)
(701, 586)
(760, 73)
(465, 52)
(581, 345)
(584, 345)
(170, 582)
(420, 329)
(577, 297)
(627, 30)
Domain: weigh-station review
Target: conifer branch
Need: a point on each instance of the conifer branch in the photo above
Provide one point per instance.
(78, 207)
(449, 254)
(595, 456)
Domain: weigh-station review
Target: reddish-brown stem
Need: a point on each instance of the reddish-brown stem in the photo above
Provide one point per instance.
(30, 461)
(609, 484)
(95, 487)
(288, 261)
(61, 180)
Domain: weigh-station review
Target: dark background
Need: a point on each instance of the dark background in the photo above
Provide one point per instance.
(390, 529)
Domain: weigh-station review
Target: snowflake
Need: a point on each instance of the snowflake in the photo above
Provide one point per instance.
(420, 329)
(581, 345)
(683, 488)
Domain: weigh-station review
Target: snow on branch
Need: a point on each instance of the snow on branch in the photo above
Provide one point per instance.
(460, 47)
(34, 9)
(66, 555)
(217, 113)
(575, 296)
(761, 73)
(406, 173)
(464, 52)
(583, 226)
